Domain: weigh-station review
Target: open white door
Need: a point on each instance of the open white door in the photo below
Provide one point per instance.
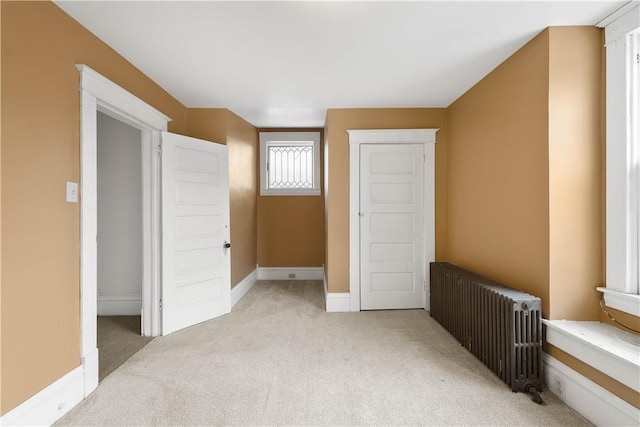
(196, 262)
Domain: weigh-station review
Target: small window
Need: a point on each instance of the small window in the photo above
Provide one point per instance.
(289, 163)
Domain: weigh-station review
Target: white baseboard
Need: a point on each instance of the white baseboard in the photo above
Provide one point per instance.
(50, 404)
(240, 290)
(129, 305)
(336, 302)
(290, 273)
(90, 365)
(590, 400)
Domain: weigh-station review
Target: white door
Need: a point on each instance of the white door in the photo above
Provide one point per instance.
(392, 257)
(195, 230)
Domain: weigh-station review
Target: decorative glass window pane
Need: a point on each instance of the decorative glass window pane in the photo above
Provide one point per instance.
(290, 163)
(290, 166)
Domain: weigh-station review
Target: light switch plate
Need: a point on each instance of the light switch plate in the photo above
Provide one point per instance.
(72, 192)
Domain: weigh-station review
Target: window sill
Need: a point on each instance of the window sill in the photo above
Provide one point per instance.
(289, 193)
(608, 349)
(629, 303)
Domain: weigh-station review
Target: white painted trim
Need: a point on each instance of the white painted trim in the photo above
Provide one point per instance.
(604, 347)
(354, 225)
(88, 239)
(622, 156)
(128, 305)
(392, 136)
(427, 137)
(121, 101)
(50, 404)
(282, 273)
(99, 94)
(629, 303)
(338, 302)
(590, 400)
(621, 22)
(241, 289)
(618, 13)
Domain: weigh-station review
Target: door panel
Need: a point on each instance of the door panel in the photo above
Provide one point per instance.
(392, 226)
(195, 225)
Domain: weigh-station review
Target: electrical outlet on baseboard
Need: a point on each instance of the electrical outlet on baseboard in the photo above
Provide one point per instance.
(292, 275)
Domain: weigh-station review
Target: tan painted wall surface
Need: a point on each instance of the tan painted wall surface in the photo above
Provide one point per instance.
(40, 152)
(209, 124)
(242, 140)
(290, 228)
(222, 126)
(575, 173)
(498, 181)
(525, 148)
(338, 122)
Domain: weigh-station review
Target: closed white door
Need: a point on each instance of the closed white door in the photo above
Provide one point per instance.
(392, 256)
(195, 230)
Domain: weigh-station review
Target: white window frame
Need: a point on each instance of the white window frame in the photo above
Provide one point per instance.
(623, 162)
(284, 138)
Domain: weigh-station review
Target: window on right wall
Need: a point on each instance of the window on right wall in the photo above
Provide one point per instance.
(622, 41)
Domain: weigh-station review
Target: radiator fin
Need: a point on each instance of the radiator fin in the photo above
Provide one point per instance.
(500, 326)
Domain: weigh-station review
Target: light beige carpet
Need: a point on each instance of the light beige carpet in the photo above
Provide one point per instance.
(279, 359)
(118, 339)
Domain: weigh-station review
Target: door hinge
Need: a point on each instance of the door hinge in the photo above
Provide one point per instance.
(267, 167)
(160, 304)
(424, 158)
(159, 150)
(424, 286)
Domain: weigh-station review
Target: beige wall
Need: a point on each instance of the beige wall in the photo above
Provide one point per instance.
(525, 155)
(526, 179)
(498, 180)
(40, 152)
(337, 124)
(291, 228)
(575, 173)
(242, 140)
(224, 127)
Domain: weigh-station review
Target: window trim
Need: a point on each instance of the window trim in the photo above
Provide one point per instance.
(268, 138)
(623, 152)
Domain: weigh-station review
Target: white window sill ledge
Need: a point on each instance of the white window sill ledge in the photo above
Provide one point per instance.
(629, 303)
(608, 349)
(290, 193)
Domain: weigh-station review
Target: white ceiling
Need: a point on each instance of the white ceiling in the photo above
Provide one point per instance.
(282, 64)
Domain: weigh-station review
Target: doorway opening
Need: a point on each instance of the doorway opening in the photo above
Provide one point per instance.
(119, 243)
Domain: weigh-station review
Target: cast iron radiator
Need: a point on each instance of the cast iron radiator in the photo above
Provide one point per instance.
(501, 326)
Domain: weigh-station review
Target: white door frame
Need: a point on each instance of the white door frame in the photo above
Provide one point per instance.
(427, 137)
(100, 94)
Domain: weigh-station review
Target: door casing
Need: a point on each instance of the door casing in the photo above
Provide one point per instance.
(99, 94)
(427, 137)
